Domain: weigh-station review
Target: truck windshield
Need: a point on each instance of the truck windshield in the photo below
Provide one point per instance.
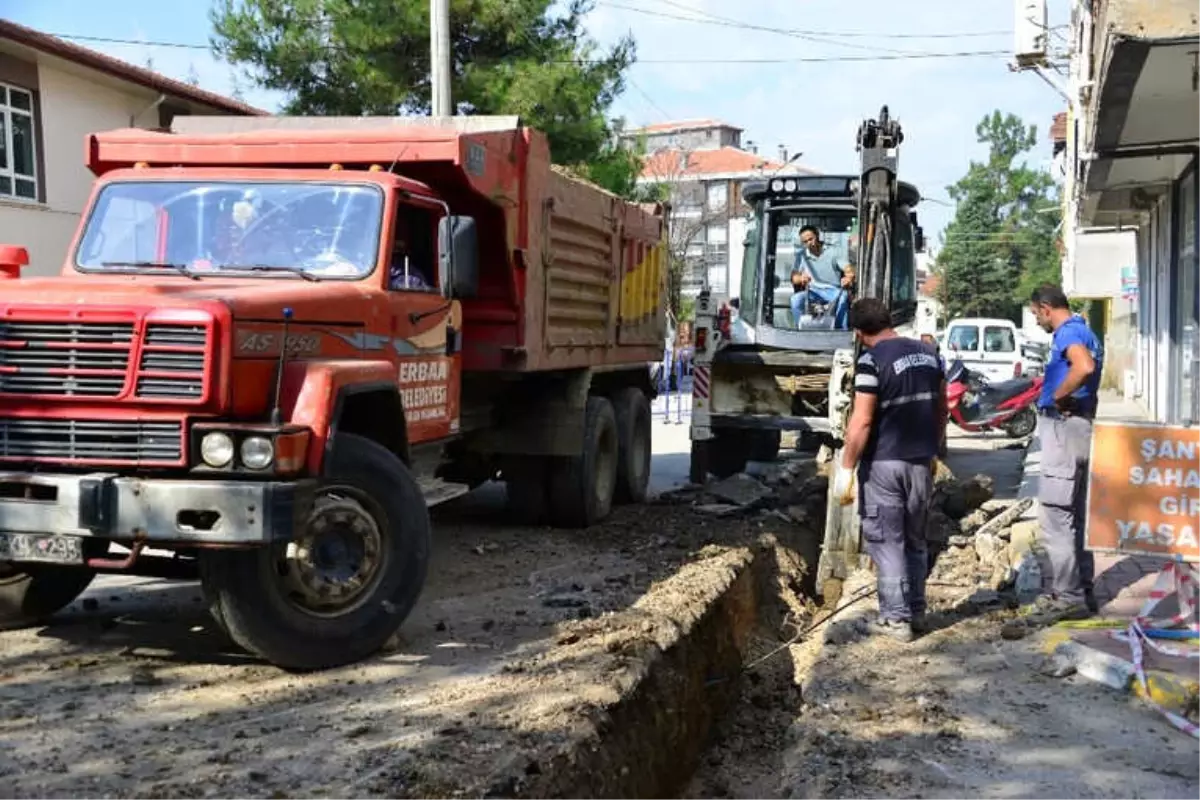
(793, 269)
(312, 230)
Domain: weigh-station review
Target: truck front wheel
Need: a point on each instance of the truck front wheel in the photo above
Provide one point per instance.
(633, 439)
(346, 581)
(29, 593)
(582, 486)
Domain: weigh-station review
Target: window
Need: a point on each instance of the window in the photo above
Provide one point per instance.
(904, 267)
(413, 264)
(324, 230)
(999, 340)
(18, 155)
(717, 195)
(786, 254)
(963, 337)
(751, 278)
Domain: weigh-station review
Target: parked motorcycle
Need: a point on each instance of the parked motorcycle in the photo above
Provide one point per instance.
(976, 405)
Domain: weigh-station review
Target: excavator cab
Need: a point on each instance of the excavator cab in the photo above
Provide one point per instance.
(795, 297)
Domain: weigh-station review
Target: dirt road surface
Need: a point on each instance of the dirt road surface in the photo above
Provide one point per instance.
(959, 713)
(133, 692)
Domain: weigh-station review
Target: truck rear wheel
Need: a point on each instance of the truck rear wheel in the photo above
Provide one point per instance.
(633, 441)
(582, 486)
(346, 581)
(29, 593)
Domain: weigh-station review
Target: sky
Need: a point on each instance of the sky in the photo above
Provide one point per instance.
(779, 69)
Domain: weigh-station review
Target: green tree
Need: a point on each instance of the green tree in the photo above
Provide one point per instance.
(531, 58)
(1002, 240)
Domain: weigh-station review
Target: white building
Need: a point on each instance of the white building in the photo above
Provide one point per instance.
(52, 95)
(1132, 138)
(705, 166)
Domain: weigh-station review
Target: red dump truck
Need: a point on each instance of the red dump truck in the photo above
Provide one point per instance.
(275, 342)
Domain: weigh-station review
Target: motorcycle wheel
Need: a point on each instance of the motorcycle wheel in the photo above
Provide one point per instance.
(1022, 424)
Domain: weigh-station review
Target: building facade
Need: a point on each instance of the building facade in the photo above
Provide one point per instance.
(704, 165)
(52, 95)
(1131, 144)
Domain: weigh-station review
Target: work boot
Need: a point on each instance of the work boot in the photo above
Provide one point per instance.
(899, 630)
(920, 624)
(1047, 610)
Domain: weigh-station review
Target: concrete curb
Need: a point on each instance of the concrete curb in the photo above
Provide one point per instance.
(1169, 690)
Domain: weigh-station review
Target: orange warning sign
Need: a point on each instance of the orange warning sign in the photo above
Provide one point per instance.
(1144, 493)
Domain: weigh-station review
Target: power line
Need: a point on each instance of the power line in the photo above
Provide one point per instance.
(714, 19)
(666, 114)
(903, 56)
(727, 22)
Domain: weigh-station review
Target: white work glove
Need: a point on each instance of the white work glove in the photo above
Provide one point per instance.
(843, 485)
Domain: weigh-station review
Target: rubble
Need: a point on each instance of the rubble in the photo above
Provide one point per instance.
(974, 539)
(740, 490)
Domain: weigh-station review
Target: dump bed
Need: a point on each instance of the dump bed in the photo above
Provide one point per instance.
(570, 275)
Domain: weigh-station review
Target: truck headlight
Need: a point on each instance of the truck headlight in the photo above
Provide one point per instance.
(257, 452)
(216, 449)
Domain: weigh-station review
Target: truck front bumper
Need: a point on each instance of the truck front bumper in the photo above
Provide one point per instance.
(159, 510)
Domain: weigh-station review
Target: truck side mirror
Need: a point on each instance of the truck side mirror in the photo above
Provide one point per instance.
(458, 256)
(12, 259)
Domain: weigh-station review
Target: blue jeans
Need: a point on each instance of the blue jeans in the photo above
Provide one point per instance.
(825, 294)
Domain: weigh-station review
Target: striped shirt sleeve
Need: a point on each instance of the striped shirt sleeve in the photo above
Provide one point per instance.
(866, 375)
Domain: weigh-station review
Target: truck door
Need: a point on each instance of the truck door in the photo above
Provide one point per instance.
(424, 326)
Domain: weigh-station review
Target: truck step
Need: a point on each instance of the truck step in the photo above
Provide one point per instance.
(438, 491)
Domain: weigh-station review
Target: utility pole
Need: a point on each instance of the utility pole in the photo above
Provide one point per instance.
(439, 57)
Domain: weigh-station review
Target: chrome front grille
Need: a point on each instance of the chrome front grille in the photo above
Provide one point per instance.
(173, 360)
(108, 441)
(66, 359)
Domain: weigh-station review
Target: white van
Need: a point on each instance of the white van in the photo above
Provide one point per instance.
(987, 346)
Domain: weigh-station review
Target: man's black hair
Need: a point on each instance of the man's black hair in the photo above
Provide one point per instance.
(812, 229)
(1050, 295)
(870, 316)
(735, 303)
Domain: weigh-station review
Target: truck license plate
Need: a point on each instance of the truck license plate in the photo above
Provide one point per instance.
(48, 547)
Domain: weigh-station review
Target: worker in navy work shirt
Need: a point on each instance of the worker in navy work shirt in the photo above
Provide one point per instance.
(1066, 409)
(896, 431)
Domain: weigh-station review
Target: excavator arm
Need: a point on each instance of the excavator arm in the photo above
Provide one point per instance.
(877, 142)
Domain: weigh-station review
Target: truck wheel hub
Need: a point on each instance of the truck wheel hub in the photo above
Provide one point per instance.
(336, 559)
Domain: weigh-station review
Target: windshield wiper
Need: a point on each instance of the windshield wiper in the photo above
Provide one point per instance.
(301, 271)
(180, 268)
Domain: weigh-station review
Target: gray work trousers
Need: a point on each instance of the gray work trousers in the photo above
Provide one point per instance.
(1062, 496)
(894, 508)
